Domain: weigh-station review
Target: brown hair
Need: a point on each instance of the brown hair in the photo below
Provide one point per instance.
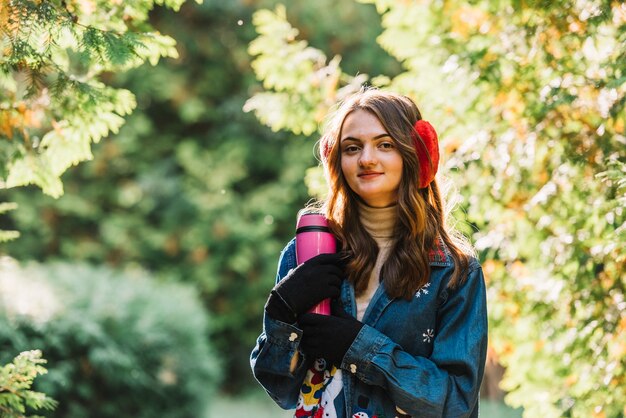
(421, 218)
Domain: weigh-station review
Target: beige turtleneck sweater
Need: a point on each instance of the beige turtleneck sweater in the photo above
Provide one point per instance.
(379, 222)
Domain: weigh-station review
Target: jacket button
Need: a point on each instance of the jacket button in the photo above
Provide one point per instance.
(353, 368)
(293, 336)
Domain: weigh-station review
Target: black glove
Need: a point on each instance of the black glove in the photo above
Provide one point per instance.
(328, 337)
(312, 281)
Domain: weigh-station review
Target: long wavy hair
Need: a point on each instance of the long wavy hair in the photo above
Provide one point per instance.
(421, 216)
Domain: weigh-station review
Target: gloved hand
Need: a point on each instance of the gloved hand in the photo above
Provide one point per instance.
(328, 337)
(312, 281)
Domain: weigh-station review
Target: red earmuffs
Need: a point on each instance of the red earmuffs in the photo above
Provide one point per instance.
(427, 149)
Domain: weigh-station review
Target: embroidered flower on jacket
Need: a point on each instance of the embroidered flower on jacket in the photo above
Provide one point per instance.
(423, 290)
(428, 335)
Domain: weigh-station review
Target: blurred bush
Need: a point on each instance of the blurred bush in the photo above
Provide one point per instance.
(117, 344)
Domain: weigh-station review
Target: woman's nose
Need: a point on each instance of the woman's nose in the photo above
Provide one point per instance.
(367, 157)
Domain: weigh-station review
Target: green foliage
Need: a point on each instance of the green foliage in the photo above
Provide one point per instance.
(53, 104)
(7, 235)
(192, 188)
(16, 378)
(118, 344)
(529, 102)
(283, 63)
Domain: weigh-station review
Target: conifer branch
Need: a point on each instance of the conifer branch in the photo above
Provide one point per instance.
(55, 58)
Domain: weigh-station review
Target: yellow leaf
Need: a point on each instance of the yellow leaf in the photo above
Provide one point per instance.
(6, 125)
(489, 266)
(11, 26)
(617, 346)
(571, 380)
(512, 311)
(577, 26)
(619, 126)
(467, 20)
(598, 412)
(451, 144)
(518, 269)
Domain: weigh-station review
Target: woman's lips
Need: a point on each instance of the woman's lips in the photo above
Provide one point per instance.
(369, 175)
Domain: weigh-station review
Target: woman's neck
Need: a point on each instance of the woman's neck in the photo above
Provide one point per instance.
(379, 222)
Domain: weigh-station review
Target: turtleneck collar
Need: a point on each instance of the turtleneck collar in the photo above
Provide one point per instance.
(379, 222)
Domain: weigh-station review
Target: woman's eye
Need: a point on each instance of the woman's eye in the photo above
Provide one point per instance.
(386, 145)
(351, 148)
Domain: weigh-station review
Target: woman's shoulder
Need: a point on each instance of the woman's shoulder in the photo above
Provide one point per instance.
(473, 263)
(471, 278)
(444, 266)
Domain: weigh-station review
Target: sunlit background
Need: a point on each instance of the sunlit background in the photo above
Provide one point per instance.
(154, 158)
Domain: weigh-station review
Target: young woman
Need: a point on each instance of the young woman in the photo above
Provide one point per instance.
(408, 332)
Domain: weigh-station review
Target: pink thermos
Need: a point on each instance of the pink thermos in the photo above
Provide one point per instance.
(313, 237)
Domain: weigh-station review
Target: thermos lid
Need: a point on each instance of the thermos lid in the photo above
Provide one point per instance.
(310, 219)
(309, 222)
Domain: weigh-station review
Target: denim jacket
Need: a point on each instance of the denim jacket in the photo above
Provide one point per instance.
(419, 358)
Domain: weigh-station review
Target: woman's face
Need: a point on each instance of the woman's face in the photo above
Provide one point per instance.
(370, 161)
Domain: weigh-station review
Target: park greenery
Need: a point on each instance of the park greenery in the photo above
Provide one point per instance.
(530, 102)
(528, 99)
(192, 188)
(54, 101)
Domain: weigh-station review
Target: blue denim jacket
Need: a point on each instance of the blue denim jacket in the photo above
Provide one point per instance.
(424, 357)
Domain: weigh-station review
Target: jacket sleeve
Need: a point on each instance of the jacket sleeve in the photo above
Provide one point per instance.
(447, 383)
(276, 346)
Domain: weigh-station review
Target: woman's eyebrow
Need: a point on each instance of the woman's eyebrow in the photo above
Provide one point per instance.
(351, 138)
